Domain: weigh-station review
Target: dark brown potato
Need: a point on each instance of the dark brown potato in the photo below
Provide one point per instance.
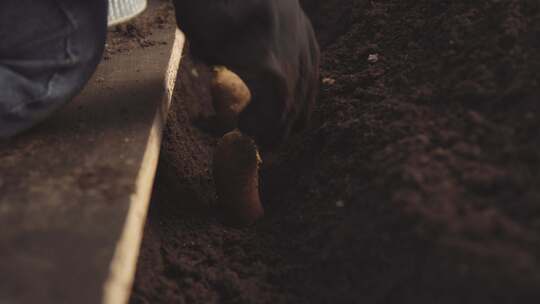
(236, 175)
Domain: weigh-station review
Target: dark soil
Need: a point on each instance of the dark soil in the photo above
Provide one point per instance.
(420, 182)
(136, 34)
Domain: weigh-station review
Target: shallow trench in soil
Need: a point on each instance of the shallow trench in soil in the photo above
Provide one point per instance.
(417, 183)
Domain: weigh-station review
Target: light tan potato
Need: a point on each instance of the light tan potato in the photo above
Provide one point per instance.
(236, 175)
(231, 96)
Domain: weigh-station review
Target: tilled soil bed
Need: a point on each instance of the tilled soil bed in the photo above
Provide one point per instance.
(418, 183)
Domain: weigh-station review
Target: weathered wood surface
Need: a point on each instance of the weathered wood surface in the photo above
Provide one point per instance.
(74, 192)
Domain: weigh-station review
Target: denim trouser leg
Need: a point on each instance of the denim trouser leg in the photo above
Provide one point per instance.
(48, 51)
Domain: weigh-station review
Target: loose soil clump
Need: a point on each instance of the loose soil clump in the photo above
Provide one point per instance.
(419, 182)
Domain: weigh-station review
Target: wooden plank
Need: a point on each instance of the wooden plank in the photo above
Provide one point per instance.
(74, 192)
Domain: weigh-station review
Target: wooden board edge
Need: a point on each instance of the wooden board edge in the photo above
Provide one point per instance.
(117, 287)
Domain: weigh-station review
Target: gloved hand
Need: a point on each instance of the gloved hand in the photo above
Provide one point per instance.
(271, 45)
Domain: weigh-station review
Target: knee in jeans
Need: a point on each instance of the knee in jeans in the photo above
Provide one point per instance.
(36, 81)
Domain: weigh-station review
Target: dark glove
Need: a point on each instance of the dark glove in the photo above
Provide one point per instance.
(271, 45)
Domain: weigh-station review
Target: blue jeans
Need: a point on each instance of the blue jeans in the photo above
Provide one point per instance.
(48, 51)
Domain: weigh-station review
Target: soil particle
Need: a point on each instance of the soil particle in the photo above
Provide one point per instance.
(418, 184)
